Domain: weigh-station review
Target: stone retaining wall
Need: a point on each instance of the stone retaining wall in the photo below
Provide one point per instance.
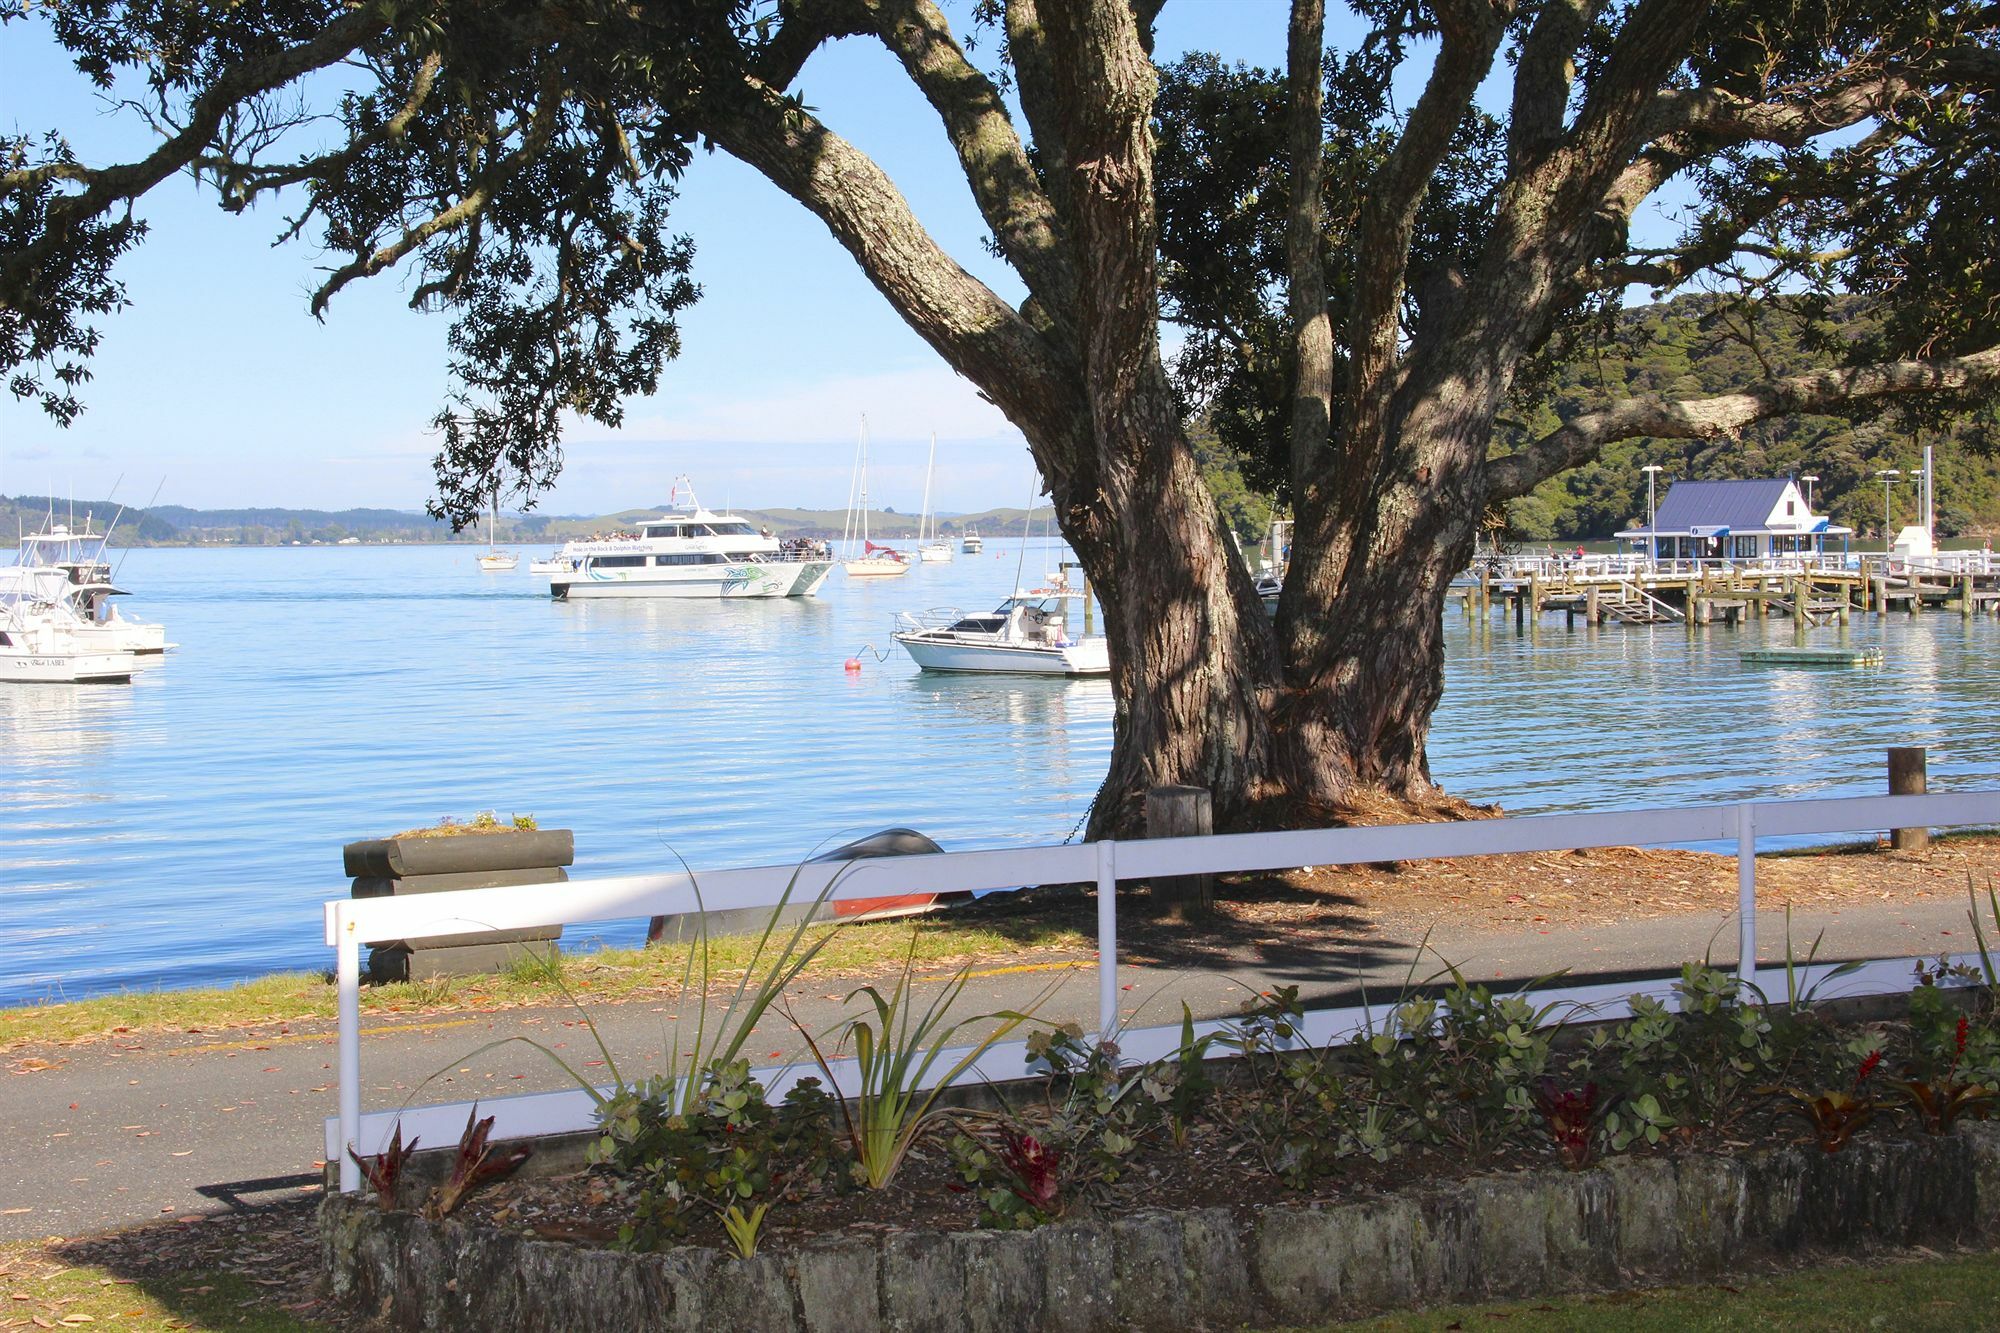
(1627, 1222)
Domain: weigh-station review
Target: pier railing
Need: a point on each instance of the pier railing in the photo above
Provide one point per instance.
(352, 923)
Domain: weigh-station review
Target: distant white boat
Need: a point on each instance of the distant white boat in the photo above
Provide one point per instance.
(1028, 634)
(873, 561)
(970, 543)
(931, 548)
(689, 552)
(553, 564)
(496, 561)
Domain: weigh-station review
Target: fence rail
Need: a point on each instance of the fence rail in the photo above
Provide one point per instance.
(352, 923)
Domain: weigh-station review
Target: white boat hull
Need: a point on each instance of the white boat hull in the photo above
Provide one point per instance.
(744, 579)
(937, 553)
(1085, 657)
(29, 666)
(498, 564)
(875, 569)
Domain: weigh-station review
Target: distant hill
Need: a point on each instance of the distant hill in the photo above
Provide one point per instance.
(178, 525)
(1681, 348)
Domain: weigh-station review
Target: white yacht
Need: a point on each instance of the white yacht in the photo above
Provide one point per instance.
(1028, 634)
(43, 641)
(554, 563)
(690, 552)
(932, 548)
(496, 561)
(970, 543)
(872, 561)
(58, 565)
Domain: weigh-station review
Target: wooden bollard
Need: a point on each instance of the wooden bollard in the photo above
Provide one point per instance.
(1909, 776)
(1182, 812)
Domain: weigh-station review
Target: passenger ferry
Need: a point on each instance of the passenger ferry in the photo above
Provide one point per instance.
(691, 552)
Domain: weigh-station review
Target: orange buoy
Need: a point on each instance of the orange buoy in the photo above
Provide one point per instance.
(853, 665)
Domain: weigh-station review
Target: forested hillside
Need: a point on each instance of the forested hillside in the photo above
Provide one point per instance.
(1694, 347)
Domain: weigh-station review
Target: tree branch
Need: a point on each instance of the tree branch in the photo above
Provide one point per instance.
(1312, 330)
(1034, 78)
(1820, 391)
(104, 186)
(1542, 79)
(541, 127)
(1471, 34)
(975, 331)
(996, 166)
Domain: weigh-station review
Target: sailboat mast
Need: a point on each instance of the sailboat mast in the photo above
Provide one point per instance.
(864, 487)
(930, 466)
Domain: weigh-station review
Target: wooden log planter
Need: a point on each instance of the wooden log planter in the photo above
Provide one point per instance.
(1627, 1222)
(383, 867)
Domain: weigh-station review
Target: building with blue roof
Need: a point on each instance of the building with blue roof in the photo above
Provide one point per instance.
(1734, 520)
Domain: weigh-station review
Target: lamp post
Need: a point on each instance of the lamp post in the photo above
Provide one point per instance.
(1652, 470)
(1809, 478)
(1888, 476)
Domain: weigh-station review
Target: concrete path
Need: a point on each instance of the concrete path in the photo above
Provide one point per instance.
(146, 1126)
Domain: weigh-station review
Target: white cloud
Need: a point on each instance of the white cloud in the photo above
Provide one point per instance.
(901, 405)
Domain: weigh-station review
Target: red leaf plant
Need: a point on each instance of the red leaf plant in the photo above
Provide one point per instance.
(477, 1162)
(1036, 1168)
(1836, 1116)
(1571, 1116)
(384, 1170)
(1942, 1100)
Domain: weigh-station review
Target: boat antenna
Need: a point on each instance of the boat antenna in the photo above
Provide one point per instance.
(125, 551)
(1027, 530)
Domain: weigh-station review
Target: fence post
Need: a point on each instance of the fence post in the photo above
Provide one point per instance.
(1909, 775)
(1746, 893)
(1107, 939)
(347, 971)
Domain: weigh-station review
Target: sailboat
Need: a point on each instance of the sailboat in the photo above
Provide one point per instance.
(930, 546)
(873, 561)
(496, 561)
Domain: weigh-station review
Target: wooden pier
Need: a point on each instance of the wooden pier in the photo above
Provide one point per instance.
(1602, 591)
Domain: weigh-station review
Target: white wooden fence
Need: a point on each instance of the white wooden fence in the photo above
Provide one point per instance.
(352, 923)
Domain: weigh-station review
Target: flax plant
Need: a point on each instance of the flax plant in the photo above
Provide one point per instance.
(896, 1047)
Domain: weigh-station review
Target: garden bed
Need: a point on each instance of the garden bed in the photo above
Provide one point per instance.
(1628, 1221)
(1469, 1147)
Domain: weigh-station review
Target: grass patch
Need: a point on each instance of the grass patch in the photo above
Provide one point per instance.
(1955, 1294)
(40, 1291)
(602, 976)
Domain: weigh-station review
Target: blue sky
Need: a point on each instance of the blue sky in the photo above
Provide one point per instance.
(218, 381)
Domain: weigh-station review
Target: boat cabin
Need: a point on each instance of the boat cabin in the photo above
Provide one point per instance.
(1749, 520)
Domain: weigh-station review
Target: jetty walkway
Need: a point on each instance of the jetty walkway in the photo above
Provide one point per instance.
(1810, 590)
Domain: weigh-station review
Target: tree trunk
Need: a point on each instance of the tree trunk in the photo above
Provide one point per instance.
(1193, 660)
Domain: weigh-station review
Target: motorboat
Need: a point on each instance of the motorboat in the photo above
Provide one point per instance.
(874, 562)
(557, 563)
(970, 542)
(931, 548)
(45, 642)
(61, 565)
(1028, 634)
(689, 551)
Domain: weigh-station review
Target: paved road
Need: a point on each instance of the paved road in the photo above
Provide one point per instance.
(146, 1126)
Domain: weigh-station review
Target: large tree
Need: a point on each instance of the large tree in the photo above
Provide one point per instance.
(520, 154)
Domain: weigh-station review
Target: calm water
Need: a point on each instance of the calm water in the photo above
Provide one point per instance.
(186, 828)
